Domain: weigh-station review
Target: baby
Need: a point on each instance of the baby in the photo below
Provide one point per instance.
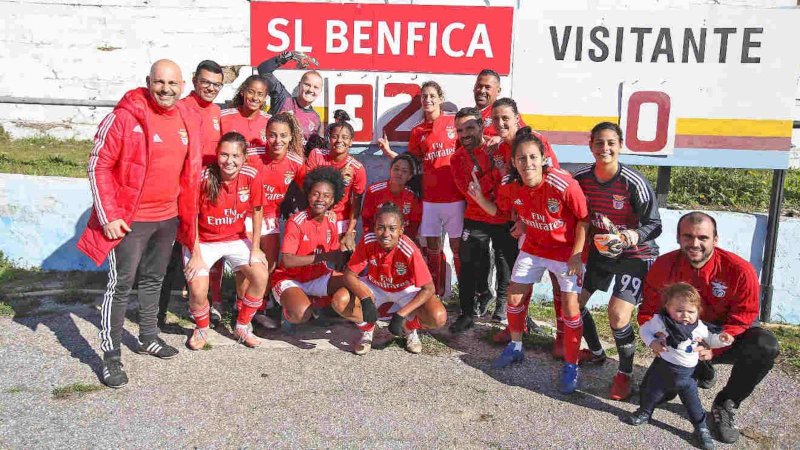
(674, 335)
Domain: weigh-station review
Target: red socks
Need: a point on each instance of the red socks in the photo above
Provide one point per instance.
(435, 267)
(413, 324)
(364, 326)
(573, 332)
(201, 317)
(516, 317)
(247, 309)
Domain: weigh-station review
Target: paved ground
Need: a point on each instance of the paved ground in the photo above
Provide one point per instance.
(309, 391)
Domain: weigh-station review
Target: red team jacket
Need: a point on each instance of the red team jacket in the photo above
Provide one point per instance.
(118, 165)
(727, 284)
(210, 128)
(463, 166)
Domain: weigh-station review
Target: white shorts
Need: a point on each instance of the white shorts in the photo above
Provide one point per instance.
(528, 269)
(438, 216)
(318, 287)
(269, 225)
(237, 253)
(396, 299)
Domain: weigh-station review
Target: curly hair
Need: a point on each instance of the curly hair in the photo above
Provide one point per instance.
(238, 99)
(325, 174)
(212, 181)
(296, 146)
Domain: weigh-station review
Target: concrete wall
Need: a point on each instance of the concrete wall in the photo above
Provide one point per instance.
(41, 219)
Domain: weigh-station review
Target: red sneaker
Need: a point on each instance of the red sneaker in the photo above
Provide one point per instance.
(502, 337)
(585, 356)
(620, 387)
(557, 352)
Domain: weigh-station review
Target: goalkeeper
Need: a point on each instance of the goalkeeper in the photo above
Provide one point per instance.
(309, 88)
(624, 225)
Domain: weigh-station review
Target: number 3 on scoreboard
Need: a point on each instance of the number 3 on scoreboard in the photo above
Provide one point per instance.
(648, 122)
(363, 113)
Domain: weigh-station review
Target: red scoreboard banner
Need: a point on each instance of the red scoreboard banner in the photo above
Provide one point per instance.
(385, 38)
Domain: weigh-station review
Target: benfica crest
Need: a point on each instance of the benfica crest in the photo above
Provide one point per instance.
(328, 236)
(406, 209)
(215, 122)
(451, 132)
(184, 136)
(288, 177)
(618, 201)
(244, 194)
(264, 135)
(718, 288)
(553, 205)
(400, 268)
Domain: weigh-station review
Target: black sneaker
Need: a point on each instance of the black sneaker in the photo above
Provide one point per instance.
(636, 418)
(724, 421)
(703, 436)
(158, 348)
(113, 375)
(463, 323)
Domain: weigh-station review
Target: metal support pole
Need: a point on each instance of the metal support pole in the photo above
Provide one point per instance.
(662, 185)
(775, 202)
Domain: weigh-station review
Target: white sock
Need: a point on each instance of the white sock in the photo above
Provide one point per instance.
(517, 345)
(598, 353)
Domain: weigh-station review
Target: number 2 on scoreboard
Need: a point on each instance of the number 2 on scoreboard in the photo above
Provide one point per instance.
(391, 128)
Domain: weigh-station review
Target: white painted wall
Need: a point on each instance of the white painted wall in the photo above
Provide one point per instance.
(98, 49)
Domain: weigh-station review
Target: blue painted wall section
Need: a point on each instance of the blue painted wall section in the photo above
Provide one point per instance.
(41, 218)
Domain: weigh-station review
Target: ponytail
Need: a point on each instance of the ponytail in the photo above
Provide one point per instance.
(212, 176)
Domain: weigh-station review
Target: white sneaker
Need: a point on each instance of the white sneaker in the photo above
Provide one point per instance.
(413, 344)
(365, 344)
(215, 317)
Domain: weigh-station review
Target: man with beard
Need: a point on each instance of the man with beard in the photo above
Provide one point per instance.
(729, 289)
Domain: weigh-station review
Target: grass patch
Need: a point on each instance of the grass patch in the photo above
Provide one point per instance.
(709, 188)
(74, 389)
(19, 307)
(43, 155)
(15, 390)
(6, 310)
(71, 296)
(434, 345)
(789, 339)
(10, 272)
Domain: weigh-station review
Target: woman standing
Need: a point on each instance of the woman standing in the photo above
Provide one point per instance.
(247, 117)
(624, 225)
(354, 176)
(553, 208)
(433, 141)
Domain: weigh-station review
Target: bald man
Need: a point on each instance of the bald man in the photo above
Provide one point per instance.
(144, 167)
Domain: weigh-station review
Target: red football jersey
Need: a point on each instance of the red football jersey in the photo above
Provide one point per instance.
(356, 185)
(434, 143)
(378, 194)
(277, 175)
(224, 220)
(254, 131)
(392, 271)
(210, 127)
(550, 212)
(304, 236)
(488, 175)
(488, 128)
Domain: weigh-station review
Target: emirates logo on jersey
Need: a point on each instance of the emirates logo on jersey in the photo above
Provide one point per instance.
(215, 123)
(184, 136)
(400, 268)
(718, 289)
(244, 194)
(451, 132)
(553, 205)
(618, 201)
(288, 177)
